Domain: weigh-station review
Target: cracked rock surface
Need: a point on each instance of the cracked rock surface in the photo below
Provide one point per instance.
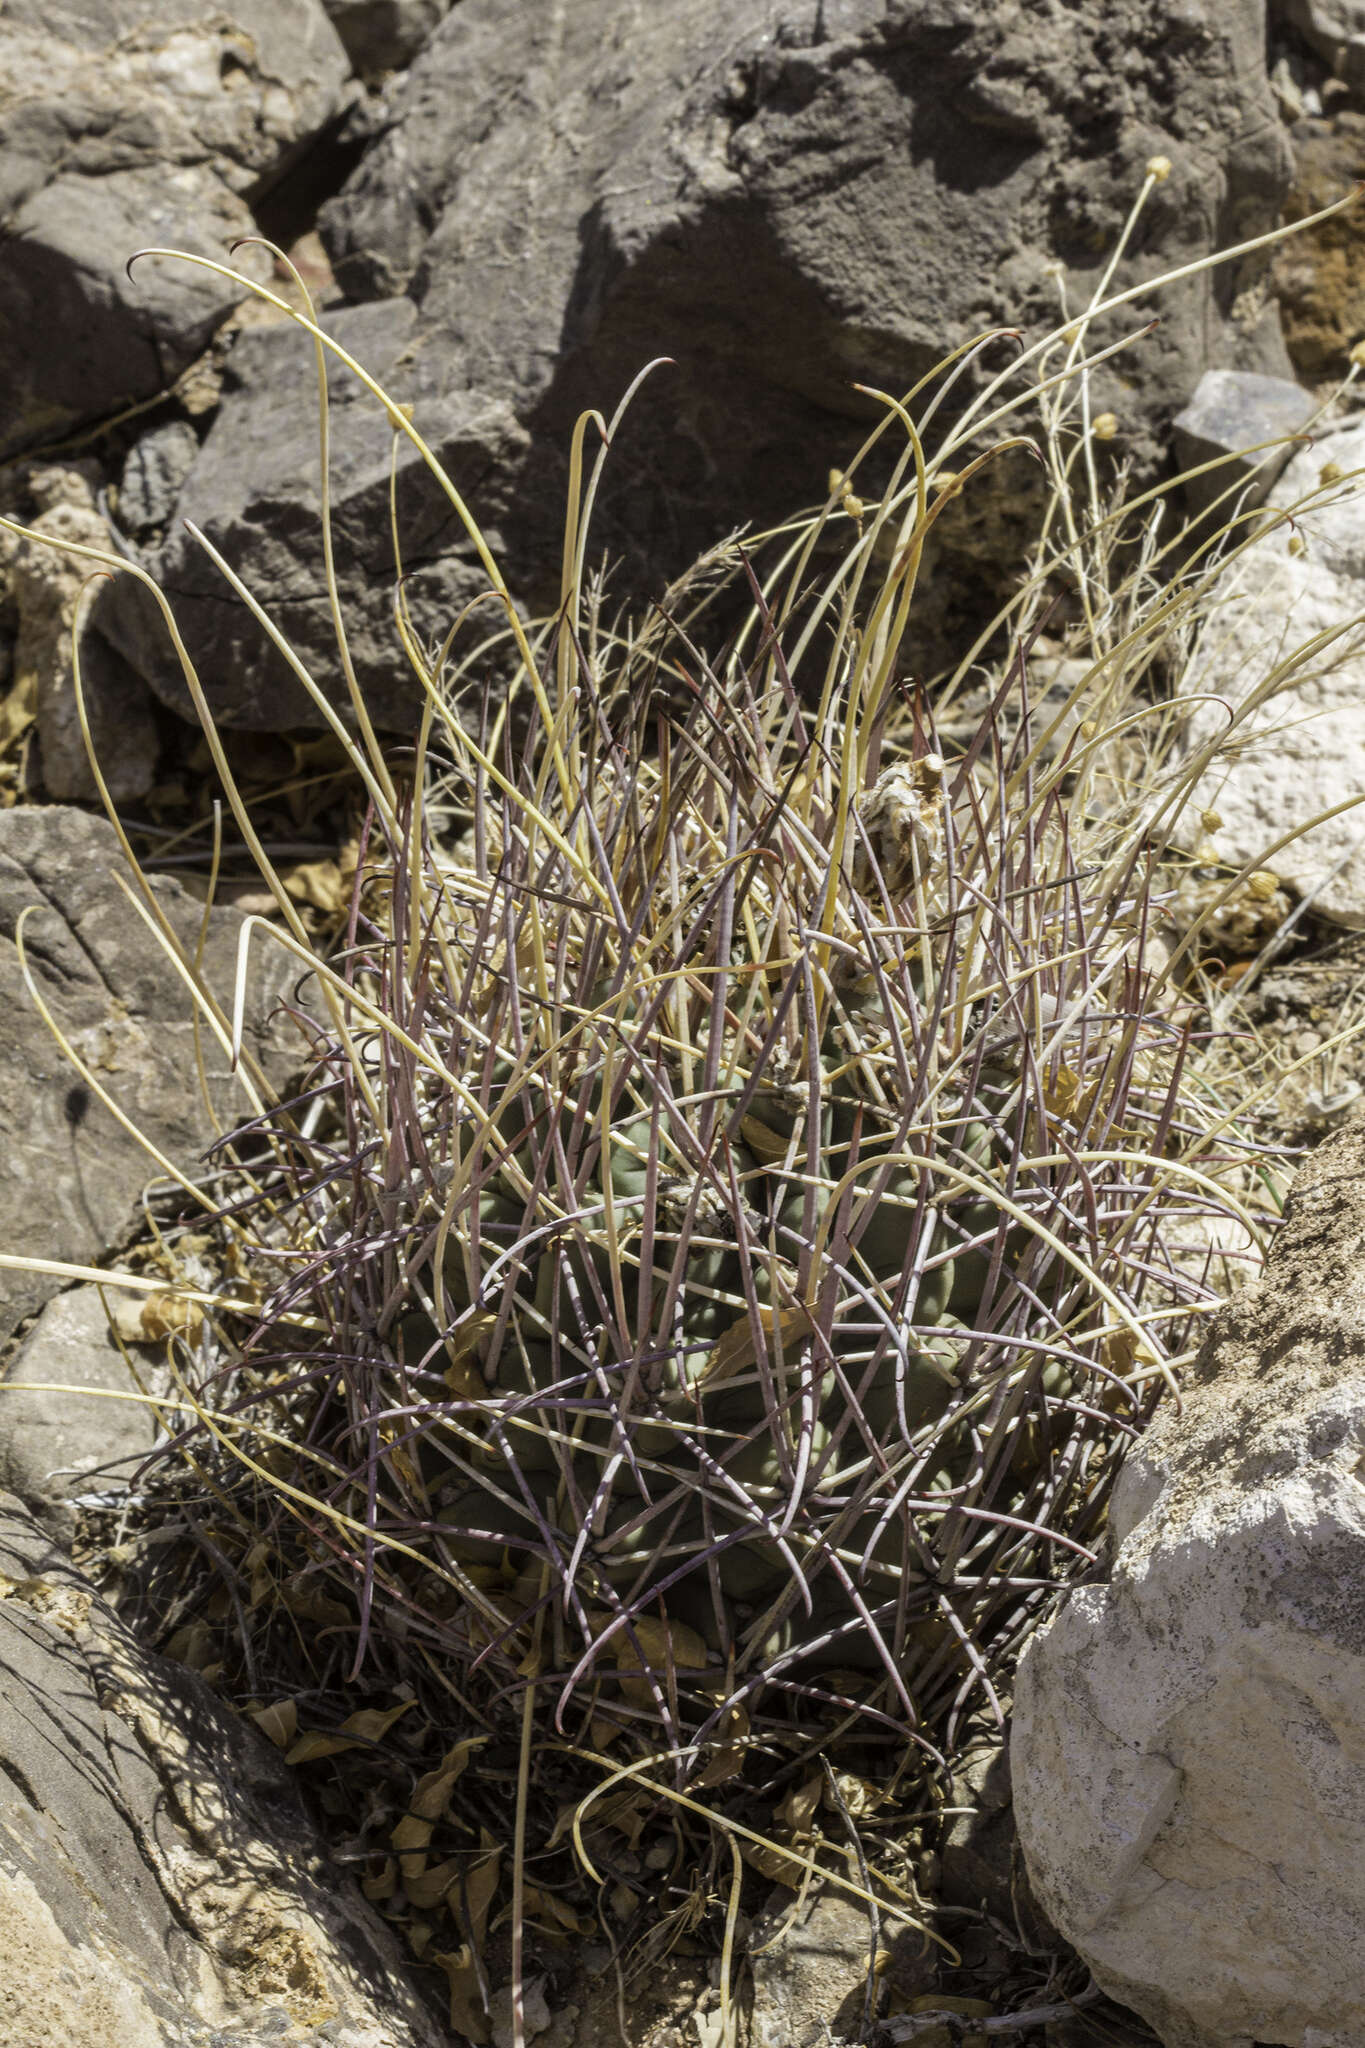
(160, 1884)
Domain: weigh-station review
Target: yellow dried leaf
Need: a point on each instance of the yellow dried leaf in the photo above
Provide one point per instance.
(858, 1795)
(797, 1810)
(151, 1318)
(191, 1646)
(734, 1349)
(306, 1599)
(411, 1834)
(467, 2012)
(279, 1721)
(370, 1725)
(768, 1859)
(428, 1887)
(553, 1912)
(317, 883)
(769, 1147)
(432, 1795)
(383, 1884)
(480, 1889)
(462, 1375)
(18, 710)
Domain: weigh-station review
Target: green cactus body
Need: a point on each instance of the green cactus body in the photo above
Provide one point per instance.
(488, 1528)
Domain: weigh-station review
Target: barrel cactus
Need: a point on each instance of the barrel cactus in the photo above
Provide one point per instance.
(739, 1219)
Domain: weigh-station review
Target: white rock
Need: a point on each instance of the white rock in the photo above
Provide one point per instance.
(1298, 748)
(1188, 1750)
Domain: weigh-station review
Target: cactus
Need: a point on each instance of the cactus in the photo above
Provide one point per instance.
(776, 1157)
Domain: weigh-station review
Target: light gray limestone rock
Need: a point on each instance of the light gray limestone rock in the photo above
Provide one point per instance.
(1282, 654)
(384, 35)
(1188, 1751)
(44, 585)
(55, 1448)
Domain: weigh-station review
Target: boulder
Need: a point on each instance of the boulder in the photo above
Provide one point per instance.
(160, 1883)
(1300, 706)
(786, 197)
(56, 1448)
(73, 1174)
(44, 586)
(1188, 1749)
(384, 35)
(1335, 29)
(123, 126)
(1232, 413)
(255, 491)
(154, 469)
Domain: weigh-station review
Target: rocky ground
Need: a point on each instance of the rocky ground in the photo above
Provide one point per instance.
(505, 211)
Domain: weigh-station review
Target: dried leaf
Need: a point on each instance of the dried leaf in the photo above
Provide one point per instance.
(797, 1810)
(859, 1795)
(768, 1859)
(151, 1318)
(467, 2012)
(319, 884)
(279, 1721)
(428, 1887)
(735, 1348)
(410, 1839)
(383, 1884)
(306, 1599)
(664, 1646)
(480, 1889)
(370, 1725)
(555, 1913)
(463, 1345)
(191, 1646)
(432, 1795)
(768, 1146)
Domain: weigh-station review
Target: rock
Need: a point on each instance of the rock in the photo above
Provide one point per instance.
(72, 1173)
(160, 1884)
(1188, 1750)
(787, 199)
(1301, 750)
(977, 1854)
(1335, 29)
(254, 489)
(126, 126)
(57, 1447)
(809, 1962)
(153, 471)
(1231, 413)
(45, 586)
(384, 35)
(1319, 275)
